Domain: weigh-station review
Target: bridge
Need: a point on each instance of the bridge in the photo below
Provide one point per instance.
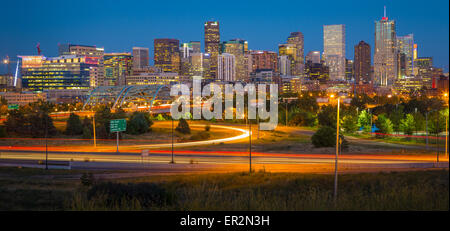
(134, 95)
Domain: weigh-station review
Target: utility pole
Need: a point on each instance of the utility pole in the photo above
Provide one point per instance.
(93, 124)
(46, 144)
(250, 143)
(172, 162)
(337, 154)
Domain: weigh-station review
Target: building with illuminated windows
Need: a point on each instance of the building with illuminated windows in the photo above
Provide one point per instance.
(238, 48)
(334, 50)
(167, 54)
(40, 73)
(212, 46)
(294, 50)
(385, 59)
(362, 63)
(89, 51)
(313, 57)
(158, 78)
(284, 65)
(117, 67)
(140, 57)
(405, 46)
(226, 67)
(264, 60)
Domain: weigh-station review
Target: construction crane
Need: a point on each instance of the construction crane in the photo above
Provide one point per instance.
(38, 47)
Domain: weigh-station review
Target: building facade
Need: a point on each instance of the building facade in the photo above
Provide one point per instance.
(227, 67)
(362, 63)
(167, 54)
(334, 50)
(386, 53)
(140, 57)
(212, 46)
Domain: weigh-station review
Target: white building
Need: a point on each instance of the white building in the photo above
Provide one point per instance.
(226, 67)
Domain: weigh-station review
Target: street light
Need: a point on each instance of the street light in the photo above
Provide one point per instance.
(172, 161)
(337, 149)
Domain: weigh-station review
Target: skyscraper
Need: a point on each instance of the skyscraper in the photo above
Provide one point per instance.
(334, 50)
(362, 63)
(140, 57)
(386, 54)
(284, 65)
(212, 45)
(405, 46)
(267, 60)
(167, 54)
(238, 48)
(117, 67)
(294, 49)
(226, 67)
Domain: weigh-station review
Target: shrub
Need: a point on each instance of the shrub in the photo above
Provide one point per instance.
(326, 137)
(207, 128)
(87, 133)
(183, 127)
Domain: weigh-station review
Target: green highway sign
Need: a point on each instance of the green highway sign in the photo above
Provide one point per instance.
(119, 125)
(13, 106)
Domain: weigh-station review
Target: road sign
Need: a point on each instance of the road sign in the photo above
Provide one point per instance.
(13, 106)
(119, 125)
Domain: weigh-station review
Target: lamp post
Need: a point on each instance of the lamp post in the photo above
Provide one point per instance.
(426, 126)
(172, 161)
(46, 145)
(250, 144)
(337, 151)
(93, 125)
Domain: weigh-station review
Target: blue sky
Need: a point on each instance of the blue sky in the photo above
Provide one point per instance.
(119, 25)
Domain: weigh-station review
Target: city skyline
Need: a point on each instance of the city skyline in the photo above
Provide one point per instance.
(431, 42)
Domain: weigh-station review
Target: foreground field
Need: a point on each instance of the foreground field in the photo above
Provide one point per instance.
(34, 189)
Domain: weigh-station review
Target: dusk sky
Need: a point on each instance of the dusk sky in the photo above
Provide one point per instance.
(119, 25)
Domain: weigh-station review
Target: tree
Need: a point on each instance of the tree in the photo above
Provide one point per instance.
(364, 120)
(74, 126)
(384, 125)
(183, 127)
(327, 116)
(303, 118)
(308, 103)
(407, 125)
(419, 124)
(395, 117)
(139, 123)
(349, 124)
(326, 137)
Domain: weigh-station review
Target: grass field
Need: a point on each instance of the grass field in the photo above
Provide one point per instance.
(35, 189)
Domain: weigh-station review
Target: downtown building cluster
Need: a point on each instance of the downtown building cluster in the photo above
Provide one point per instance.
(78, 69)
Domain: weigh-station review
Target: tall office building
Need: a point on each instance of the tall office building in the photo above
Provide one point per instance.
(226, 67)
(405, 46)
(140, 57)
(167, 54)
(284, 65)
(385, 59)
(349, 72)
(267, 60)
(334, 50)
(196, 46)
(97, 75)
(362, 63)
(212, 46)
(238, 48)
(117, 67)
(294, 49)
(313, 57)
